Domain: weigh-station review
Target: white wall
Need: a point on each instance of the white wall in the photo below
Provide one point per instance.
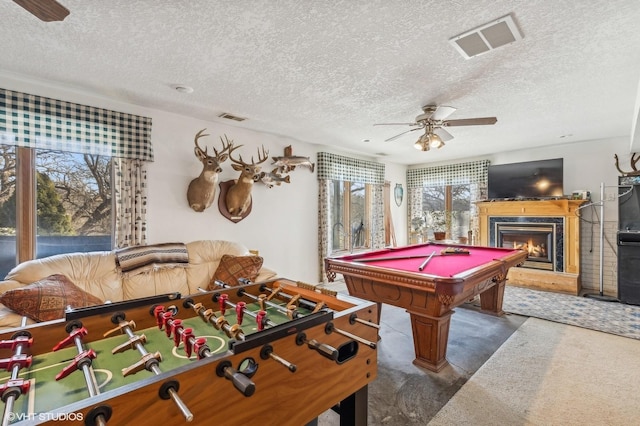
(283, 224)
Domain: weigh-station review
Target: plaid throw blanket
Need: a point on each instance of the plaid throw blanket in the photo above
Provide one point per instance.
(140, 259)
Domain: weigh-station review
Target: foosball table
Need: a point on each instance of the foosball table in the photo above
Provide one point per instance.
(277, 352)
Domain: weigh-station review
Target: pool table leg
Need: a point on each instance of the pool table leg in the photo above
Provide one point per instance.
(430, 337)
(491, 299)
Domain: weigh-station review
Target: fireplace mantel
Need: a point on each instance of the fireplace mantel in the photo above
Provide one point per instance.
(567, 281)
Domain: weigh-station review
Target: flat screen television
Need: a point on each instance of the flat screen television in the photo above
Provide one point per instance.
(529, 179)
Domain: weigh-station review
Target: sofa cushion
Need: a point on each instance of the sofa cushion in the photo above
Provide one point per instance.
(204, 258)
(142, 259)
(233, 267)
(48, 298)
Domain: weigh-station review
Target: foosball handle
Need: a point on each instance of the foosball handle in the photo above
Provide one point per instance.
(323, 349)
(239, 380)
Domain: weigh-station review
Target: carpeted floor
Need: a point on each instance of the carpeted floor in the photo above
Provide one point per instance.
(609, 317)
(551, 374)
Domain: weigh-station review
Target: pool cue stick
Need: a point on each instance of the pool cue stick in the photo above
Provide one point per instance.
(373, 259)
(423, 264)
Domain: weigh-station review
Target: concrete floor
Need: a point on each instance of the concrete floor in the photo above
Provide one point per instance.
(404, 394)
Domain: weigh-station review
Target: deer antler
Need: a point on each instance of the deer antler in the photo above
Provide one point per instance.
(635, 157)
(225, 147)
(634, 160)
(198, 136)
(261, 158)
(618, 164)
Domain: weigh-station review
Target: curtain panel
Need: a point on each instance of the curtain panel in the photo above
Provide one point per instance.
(333, 167)
(33, 121)
(474, 174)
(338, 167)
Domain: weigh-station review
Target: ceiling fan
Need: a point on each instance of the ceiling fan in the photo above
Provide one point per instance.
(45, 10)
(433, 120)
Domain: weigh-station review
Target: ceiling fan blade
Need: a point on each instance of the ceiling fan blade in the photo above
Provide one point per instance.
(397, 124)
(470, 121)
(442, 112)
(444, 135)
(45, 10)
(392, 138)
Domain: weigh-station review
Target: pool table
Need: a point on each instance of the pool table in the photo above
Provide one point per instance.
(428, 289)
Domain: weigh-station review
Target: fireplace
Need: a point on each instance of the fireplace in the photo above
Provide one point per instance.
(552, 223)
(542, 237)
(535, 238)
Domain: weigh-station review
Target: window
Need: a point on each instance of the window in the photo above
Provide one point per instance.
(447, 209)
(350, 216)
(351, 207)
(442, 198)
(50, 193)
(71, 203)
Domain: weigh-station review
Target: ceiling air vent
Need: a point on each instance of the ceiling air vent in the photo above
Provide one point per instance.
(231, 117)
(487, 37)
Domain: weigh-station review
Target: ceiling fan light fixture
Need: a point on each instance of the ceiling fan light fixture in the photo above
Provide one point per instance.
(422, 144)
(435, 141)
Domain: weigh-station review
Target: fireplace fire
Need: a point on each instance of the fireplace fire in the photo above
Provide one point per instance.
(536, 238)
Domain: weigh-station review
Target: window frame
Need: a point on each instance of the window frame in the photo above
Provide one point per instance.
(27, 202)
(346, 217)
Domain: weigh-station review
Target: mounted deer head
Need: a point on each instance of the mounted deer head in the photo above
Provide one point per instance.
(239, 194)
(202, 189)
(634, 161)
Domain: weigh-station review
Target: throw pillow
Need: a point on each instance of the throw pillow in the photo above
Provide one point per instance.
(48, 298)
(233, 267)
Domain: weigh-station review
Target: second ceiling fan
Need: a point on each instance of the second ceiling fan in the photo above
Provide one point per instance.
(433, 120)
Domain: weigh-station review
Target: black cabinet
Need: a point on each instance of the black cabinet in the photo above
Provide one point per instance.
(629, 240)
(629, 267)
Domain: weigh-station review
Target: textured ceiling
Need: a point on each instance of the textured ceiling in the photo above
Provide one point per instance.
(324, 72)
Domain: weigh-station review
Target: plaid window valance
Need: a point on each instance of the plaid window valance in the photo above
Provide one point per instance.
(337, 167)
(451, 174)
(37, 122)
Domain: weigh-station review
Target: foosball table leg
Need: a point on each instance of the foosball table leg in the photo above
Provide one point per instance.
(353, 409)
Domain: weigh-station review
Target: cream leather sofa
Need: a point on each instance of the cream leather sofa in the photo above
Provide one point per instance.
(97, 274)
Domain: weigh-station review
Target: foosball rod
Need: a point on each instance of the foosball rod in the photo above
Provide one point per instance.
(188, 415)
(87, 370)
(311, 305)
(8, 414)
(372, 345)
(248, 312)
(188, 303)
(243, 292)
(353, 318)
(90, 379)
(217, 322)
(239, 380)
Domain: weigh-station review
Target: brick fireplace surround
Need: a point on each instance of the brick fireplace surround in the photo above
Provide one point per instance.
(566, 276)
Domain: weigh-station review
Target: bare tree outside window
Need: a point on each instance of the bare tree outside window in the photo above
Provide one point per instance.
(452, 202)
(73, 203)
